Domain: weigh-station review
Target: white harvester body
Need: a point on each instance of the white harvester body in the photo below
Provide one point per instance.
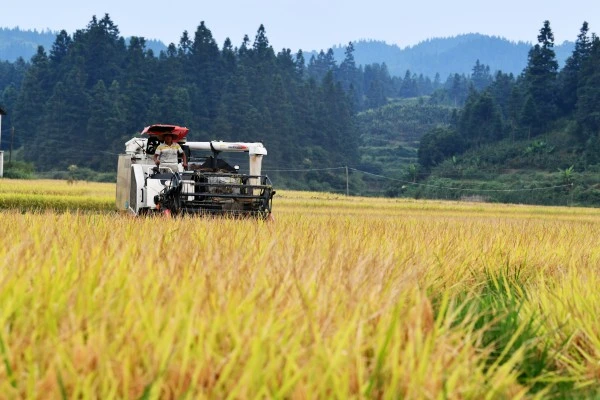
(211, 186)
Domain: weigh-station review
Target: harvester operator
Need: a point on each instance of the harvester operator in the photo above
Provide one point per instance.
(166, 153)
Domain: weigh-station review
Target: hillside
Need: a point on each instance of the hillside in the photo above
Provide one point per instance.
(448, 55)
(390, 136)
(546, 170)
(534, 139)
(402, 121)
(15, 43)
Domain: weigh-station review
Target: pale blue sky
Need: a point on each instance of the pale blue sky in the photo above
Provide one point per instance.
(313, 24)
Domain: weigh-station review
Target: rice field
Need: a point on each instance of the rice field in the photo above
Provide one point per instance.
(339, 298)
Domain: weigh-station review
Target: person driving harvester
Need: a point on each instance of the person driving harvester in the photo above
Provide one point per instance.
(166, 153)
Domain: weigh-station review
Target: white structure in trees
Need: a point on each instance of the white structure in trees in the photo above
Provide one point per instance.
(2, 112)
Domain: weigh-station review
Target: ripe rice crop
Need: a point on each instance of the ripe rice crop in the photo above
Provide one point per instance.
(338, 298)
(56, 195)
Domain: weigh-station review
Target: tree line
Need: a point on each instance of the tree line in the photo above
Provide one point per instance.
(80, 101)
(77, 102)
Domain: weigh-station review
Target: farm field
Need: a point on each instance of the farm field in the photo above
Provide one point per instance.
(338, 298)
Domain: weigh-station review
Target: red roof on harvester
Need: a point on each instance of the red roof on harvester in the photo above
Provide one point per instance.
(159, 130)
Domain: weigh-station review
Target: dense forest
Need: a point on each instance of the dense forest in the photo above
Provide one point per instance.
(78, 103)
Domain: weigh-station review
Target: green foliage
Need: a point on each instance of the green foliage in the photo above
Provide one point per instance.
(19, 170)
(82, 102)
(569, 76)
(403, 121)
(517, 149)
(540, 79)
(439, 144)
(587, 112)
(481, 120)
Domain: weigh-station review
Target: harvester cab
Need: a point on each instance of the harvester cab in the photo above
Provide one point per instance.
(209, 185)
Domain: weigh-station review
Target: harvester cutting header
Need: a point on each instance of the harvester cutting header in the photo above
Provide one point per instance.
(162, 172)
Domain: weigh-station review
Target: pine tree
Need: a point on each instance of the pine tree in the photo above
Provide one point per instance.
(176, 106)
(55, 137)
(137, 82)
(35, 91)
(171, 51)
(501, 89)
(481, 121)
(116, 119)
(100, 49)
(481, 77)
(228, 58)
(261, 47)
(437, 83)
(587, 112)
(320, 66)
(375, 95)
(243, 51)
(409, 86)
(104, 126)
(185, 45)
(60, 47)
(540, 77)
(347, 71)
(234, 110)
(286, 65)
(569, 76)
(529, 118)
(300, 64)
(205, 62)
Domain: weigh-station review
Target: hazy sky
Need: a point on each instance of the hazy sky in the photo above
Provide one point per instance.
(312, 24)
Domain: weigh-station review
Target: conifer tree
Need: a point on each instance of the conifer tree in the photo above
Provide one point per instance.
(540, 77)
(481, 77)
(205, 65)
(35, 91)
(300, 64)
(347, 70)
(60, 47)
(569, 76)
(185, 45)
(587, 112)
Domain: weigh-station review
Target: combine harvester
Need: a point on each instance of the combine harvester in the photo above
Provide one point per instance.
(210, 185)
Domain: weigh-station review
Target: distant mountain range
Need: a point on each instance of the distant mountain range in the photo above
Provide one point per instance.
(445, 56)
(15, 43)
